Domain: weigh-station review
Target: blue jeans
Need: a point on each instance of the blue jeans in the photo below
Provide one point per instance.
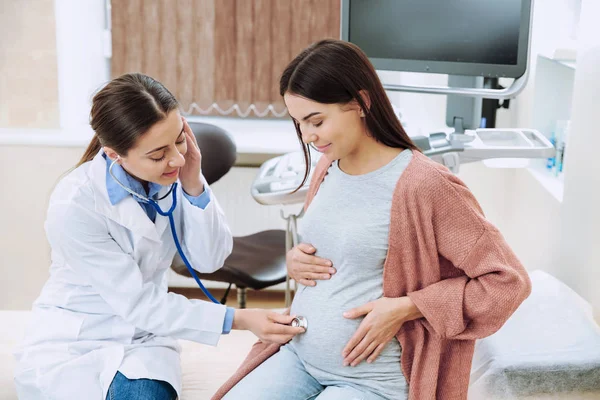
(283, 377)
(122, 388)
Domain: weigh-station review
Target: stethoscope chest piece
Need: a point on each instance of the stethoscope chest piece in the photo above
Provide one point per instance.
(301, 322)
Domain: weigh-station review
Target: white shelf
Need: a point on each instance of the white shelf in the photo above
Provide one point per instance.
(553, 95)
(553, 184)
(570, 64)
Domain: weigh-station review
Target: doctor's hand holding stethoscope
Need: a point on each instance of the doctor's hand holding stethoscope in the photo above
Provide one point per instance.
(105, 324)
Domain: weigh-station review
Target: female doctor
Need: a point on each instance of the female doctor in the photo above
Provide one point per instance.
(104, 325)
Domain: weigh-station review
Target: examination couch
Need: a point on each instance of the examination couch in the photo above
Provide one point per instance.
(548, 349)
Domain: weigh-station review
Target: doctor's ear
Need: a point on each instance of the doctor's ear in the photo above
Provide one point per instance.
(112, 154)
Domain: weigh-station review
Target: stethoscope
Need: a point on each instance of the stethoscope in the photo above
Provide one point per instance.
(169, 214)
(296, 322)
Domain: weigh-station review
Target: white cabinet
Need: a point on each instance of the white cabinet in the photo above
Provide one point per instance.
(552, 102)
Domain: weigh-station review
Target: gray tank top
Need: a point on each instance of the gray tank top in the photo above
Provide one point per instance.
(348, 222)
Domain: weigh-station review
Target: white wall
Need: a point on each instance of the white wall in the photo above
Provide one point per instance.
(580, 220)
(422, 113)
(30, 173)
(532, 222)
(554, 25)
(81, 41)
(28, 64)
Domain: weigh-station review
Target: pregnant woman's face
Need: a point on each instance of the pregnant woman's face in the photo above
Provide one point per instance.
(333, 129)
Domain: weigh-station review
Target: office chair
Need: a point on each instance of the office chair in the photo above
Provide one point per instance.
(257, 261)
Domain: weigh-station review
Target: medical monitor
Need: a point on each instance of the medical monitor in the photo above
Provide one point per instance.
(488, 38)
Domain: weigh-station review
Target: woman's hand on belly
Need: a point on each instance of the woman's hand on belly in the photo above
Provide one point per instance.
(305, 268)
(383, 320)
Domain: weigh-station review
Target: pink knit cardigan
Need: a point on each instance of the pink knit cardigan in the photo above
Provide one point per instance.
(454, 265)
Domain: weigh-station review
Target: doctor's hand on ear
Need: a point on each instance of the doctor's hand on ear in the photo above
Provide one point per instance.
(268, 326)
(189, 175)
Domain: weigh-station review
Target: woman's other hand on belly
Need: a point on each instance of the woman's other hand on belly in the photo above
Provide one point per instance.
(305, 267)
(383, 320)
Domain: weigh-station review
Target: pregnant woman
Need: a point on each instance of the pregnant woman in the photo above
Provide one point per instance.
(399, 270)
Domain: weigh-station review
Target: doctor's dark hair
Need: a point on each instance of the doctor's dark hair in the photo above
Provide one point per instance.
(335, 72)
(124, 110)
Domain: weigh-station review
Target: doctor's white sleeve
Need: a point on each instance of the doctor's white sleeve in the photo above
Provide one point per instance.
(81, 237)
(206, 238)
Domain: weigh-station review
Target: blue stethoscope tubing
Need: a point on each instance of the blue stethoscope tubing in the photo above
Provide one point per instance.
(169, 214)
(176, 239)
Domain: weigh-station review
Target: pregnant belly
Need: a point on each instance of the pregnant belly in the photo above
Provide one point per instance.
(328, 333)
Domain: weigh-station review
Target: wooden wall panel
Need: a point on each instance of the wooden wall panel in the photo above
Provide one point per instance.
(244, 54)
(335, 19)
(186, 45)
(167, 47)
(222, 51)
(118, 63)
(151, 57)
(322, 24)
(134, 33)
(301, 16)
(263, 52)
(281, 34)
(204, 60)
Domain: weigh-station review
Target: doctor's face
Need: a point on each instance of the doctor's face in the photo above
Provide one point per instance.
(333, 129)
(158, 154)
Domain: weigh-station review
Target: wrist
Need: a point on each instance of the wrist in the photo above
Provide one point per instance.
(194, 189)
(409, 309)
(239, 320)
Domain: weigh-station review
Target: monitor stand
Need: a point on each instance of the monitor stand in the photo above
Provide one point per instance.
(463, 112)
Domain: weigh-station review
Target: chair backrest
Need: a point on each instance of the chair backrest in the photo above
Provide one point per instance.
(218, 150)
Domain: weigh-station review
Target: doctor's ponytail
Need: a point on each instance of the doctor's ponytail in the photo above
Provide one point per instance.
(91, 151)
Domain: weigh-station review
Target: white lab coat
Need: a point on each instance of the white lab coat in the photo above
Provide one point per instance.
(105, 307)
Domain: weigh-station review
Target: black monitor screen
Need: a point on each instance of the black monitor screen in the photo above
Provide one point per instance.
(464, 31)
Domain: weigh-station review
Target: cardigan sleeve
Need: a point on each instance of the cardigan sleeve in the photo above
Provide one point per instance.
(477, 303)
